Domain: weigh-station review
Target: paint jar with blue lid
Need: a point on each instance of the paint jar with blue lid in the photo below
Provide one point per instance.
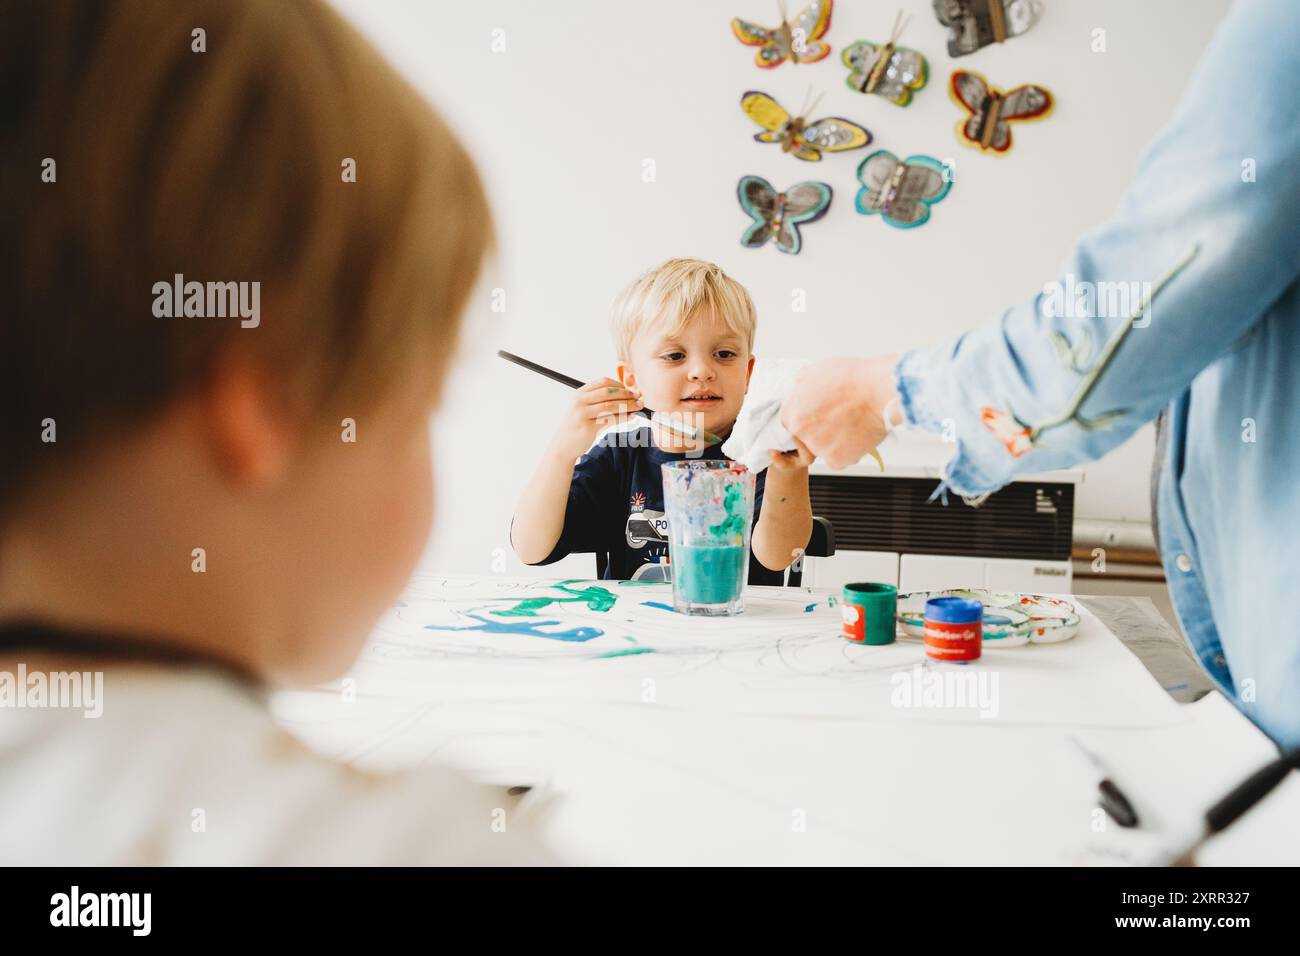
(954, 629)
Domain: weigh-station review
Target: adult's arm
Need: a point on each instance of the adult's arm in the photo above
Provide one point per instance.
(1210, 226)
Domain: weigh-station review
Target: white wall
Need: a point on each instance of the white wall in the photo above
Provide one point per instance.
(585, 91)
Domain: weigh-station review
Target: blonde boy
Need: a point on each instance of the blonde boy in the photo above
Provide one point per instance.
(684, 335)
(195, 507)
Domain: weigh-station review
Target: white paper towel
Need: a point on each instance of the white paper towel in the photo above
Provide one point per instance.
(758, 429)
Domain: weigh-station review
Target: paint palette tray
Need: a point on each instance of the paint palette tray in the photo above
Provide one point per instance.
(1010, 619)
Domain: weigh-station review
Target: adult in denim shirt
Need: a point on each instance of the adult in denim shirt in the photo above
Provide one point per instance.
(1210, 229)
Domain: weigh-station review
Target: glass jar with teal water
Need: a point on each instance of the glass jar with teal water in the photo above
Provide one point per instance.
(710, 509)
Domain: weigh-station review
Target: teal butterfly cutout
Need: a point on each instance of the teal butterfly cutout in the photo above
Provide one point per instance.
(902, 191)
(777, 216)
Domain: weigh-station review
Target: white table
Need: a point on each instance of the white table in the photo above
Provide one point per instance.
(676, 743)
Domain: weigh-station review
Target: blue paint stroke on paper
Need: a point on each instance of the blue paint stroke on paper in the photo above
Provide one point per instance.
(524, 628)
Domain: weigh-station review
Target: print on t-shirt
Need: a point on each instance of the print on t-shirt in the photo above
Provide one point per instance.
(648, 530)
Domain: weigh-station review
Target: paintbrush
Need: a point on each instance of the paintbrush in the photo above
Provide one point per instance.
(656, 417)
(1224, 813)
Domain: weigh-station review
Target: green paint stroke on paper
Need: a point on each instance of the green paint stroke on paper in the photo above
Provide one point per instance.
(624, 652)
(594, 596)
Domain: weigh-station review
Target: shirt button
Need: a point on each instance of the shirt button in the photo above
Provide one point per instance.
(1220, 660)
(1183, 563)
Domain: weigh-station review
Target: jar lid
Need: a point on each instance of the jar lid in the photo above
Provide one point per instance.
(953, 610)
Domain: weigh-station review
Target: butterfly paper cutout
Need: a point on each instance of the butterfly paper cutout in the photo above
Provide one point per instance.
(988, 127)
(800, 139)
(777, 216)
(890, 70)
(902, 191)
(977, 23)
(798, 40)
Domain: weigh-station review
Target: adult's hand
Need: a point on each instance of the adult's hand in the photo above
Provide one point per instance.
(837, 407)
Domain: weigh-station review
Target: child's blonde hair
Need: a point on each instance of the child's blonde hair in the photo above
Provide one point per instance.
(224, 155)
(674, 294)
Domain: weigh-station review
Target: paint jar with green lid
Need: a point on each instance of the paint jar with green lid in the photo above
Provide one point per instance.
(870, 612)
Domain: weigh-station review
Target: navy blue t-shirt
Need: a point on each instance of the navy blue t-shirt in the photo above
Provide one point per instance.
(616, 506)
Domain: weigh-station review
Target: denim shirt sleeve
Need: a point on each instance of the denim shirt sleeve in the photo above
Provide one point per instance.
(1208, 231)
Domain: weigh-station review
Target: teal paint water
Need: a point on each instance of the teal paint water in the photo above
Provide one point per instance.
(709, 506)
(709, 573)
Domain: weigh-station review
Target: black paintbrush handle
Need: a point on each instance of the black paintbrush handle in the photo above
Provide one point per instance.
(556, 376)
(1250, 791)
(576, 383)
(541, 369)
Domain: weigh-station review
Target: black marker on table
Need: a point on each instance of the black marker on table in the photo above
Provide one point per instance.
(1110, 796)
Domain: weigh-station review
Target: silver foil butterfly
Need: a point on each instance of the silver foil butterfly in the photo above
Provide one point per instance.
(798, 137)
(901, 191)
(778, 216)
(991, 110)
(973, 24)
(798, 40)
(888, 70)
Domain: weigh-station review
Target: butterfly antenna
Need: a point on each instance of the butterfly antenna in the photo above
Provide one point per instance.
(900, 24)
(813, 106)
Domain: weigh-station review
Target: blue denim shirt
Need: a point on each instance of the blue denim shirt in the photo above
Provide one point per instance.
(1187, 299)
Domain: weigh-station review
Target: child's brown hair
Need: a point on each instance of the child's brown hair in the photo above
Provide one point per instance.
(134, 147)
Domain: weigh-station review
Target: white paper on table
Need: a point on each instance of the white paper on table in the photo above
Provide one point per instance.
(783, 656)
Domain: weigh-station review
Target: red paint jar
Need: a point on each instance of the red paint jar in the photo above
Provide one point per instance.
(954, 629)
